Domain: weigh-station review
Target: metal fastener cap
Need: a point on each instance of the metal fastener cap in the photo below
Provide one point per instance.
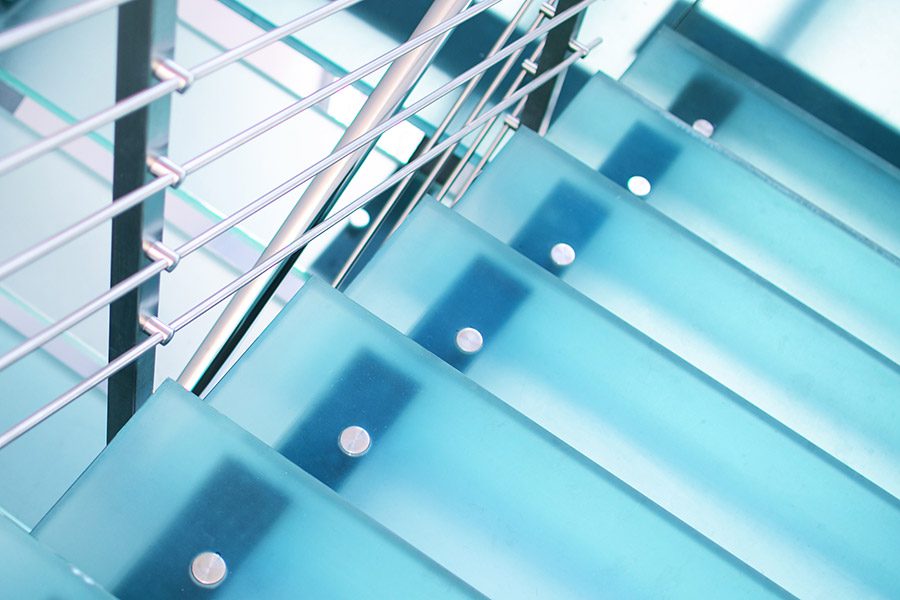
(638, 185)
(703, 127)
(354, 441)
(469, 340)
(562, 254)
(208, 569)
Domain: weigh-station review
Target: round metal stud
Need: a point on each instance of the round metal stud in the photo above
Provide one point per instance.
(208, 569)
(354, 441)
(360, 218)
(704, 127)
(639, 186)
(562, 254)
(469, 340)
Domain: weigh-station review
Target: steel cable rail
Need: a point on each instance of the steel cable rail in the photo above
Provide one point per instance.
(173, 78)
(44, 25)
(171, 258)
(170, 174)
(160, 333)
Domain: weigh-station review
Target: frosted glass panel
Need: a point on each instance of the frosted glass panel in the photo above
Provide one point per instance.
(29, 570)
(181, 480)
(724, 201)
(806, 155)
(697, 302)
(667, 430)
(450, 468)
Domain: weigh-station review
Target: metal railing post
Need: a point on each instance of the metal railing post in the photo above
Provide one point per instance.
(314, 203)
(541, 103)
(146, 32)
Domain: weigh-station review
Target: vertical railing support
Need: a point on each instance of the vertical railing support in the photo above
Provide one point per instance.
(146, 31)
(542, 102)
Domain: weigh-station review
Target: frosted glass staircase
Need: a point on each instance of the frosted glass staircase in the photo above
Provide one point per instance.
(655, 353)
(452, 469)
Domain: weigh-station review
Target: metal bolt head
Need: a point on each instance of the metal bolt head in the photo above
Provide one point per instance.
(354, 441)
(562, 254)
(208, 569)
(638, 185)
(469, 340)
(703, 127)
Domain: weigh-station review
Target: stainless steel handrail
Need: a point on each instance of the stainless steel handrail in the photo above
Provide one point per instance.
(158, 337)
(174, 78)
(165, 179)
(34, 29)
(194, 244)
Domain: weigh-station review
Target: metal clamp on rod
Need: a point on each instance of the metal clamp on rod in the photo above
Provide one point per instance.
(165, 69)
(163, 165)
(152, 325)
(156, 250)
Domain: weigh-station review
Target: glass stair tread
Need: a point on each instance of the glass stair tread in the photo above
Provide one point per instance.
(698, 303)
(738, 477)
(804, 154)
(30, 570)
(734, 207)
(451, 469)
(180, 480)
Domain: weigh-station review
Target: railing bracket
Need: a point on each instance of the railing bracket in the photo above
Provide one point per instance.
(165, 69)
(162, 165)
(156, 250)
(152, 325)
(578, 47)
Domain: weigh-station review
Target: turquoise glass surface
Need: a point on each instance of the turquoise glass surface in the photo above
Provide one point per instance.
(453, 470)
(700, 451)
(180, 480)
(697, 302)
(29, 570)
(737, 209)
(823, 166)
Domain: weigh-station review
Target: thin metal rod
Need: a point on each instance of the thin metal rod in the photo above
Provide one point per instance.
(251, 209)
(69, 16)
(336, 86)
(77, 316)
(540, 106)
(442, 127)
(423, 189)
(109, 211)
(486, 156)
(165, 87)
(48, 410)
(211, 301)
(473, 147)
